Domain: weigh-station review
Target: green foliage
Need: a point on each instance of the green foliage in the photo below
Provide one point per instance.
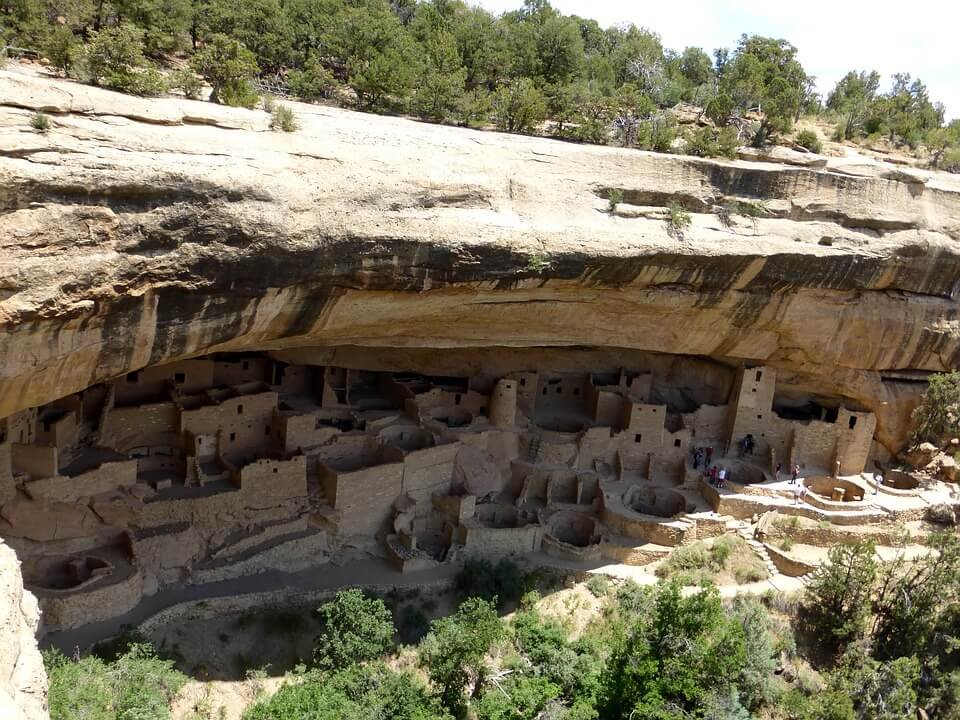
(519, 107)
(679, 656)
(283, 119)
(614, 198)
(187, 82)
(357, 692)
(453, 652)
(598, 585)
(136, 685)
(228, 66)
(678, 219)
(40, 122)
(518, 697)
(657, 133)
(837, 600)
(314, 82)
(115, 60)
(63, 49)
(808, 139)
(355, 629)
(938, 415)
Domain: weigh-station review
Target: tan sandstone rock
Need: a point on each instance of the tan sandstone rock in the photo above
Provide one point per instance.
(23, 682)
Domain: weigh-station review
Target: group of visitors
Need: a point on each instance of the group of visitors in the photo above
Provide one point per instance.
(716, 475)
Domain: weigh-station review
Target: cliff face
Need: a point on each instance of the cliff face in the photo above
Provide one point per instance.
(143, 231)
(23, 683)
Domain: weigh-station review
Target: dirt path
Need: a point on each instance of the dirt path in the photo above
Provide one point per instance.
(327, 577)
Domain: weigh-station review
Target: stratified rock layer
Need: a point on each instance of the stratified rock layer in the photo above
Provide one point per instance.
(142, 231)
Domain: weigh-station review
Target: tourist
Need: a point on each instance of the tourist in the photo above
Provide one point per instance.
(721, 476)
(748, 444)
(796, 474)
(776, 472)
(713, 475)
(803, 492)
(798, 493)
(709, 454)
(878, 480)
(697, 456)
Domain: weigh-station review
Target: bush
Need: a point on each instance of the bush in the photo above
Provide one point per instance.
(657, 133)
(283, 119)
(837, 599)
(519, 107)
(938, 415)
(367, 691)
(137, 684)
(313, 83)
(728, 142)
(187, 82)
(598, 585)
(115, 60)
(355, 629)
(228, 66)
(63, 49)
(40, 122)
(454, 650)
(701, 143)
(614, 198)
(808, 139)
(678, 220)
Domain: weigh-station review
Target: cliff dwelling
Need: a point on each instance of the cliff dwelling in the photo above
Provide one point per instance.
(220, 466)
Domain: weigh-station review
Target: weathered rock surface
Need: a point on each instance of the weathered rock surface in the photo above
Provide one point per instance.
(143, 231)
(23, 682)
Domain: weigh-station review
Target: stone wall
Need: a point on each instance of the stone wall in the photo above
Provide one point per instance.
(38, 461)
(496, 542)
(363, 498)
(266, 482)
(128, 427)
(101, 602)
(106, 478)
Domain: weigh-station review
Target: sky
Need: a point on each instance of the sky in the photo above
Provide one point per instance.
(832, 36)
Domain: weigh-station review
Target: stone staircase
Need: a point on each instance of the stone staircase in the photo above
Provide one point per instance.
(533, 449)
(758, 549)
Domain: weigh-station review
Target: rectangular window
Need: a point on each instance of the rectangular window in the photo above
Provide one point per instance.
(759, 375)
(638, 437)
(523, 382)
(676, 443)
(233, 437)
(457, 398)
(179, 378)
(853, 422)
(239, 409)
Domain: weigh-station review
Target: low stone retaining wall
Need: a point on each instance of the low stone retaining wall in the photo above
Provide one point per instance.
(66, 610)
(789, 566)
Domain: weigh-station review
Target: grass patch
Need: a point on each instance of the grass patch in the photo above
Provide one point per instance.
(728, 558)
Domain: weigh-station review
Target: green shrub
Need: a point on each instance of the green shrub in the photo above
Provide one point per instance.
(598, 585)
(283, 119)
(313, 83)
(268, 103)
(187, 82)
(353, 693)
(115, 60)
(63, 49)
(453, 653)
(728, 142)
(678, 220)
(701, 142)
(40, 122)
(938, 414)
(519, 696)
(355, 629)
(808, 139)
(137, 684)
(519, 107)
(657, 133)
(614, 198)
(228, 66)
(786, 544)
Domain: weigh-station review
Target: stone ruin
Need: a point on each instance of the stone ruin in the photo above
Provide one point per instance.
(222, 466)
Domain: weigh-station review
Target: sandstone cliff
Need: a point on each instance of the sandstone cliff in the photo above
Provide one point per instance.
(23, 683)
(141, 231)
